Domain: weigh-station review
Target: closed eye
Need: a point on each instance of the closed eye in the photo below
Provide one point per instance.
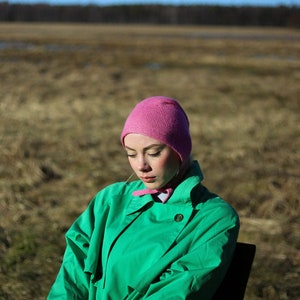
(156, 154)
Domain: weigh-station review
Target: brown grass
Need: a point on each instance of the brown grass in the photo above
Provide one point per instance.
(65, 93)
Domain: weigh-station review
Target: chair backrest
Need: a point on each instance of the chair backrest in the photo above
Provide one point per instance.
(234, 284)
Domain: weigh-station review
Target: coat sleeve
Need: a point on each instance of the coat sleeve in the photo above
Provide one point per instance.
(197, 273)
(72, 282)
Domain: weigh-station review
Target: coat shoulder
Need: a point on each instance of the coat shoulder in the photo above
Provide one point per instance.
(116, 192)
(121, 188)
(210, 203)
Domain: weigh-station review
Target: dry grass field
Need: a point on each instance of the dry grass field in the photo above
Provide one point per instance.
(65, 91)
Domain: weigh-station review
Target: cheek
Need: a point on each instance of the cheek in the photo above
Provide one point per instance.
(160, 164)
(131, 163)
(170, 165)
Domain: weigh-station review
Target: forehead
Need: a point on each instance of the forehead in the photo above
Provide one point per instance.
(134, 140)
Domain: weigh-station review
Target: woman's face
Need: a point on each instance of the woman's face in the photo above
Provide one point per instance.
(152, 161)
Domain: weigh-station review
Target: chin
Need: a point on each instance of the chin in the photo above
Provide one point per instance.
(152, 186)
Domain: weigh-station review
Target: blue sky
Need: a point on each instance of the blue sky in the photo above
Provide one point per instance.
(176, 2)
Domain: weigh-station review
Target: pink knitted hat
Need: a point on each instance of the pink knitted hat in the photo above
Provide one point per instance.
(163, 119)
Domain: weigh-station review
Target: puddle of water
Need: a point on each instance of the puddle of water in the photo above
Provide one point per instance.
(4, 45)
(238, 36)
(49, 47)
(16, 45)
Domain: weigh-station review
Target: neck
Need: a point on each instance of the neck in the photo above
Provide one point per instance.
(185, 166)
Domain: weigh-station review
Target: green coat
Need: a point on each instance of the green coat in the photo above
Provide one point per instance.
(130, 247)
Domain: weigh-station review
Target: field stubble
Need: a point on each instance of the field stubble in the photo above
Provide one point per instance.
(65, 93)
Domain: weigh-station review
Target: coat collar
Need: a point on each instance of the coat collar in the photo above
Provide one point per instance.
(138, 203)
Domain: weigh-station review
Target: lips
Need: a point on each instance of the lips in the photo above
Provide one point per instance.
(148, 179)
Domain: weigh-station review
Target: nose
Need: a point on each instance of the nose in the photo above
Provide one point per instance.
(143, 165)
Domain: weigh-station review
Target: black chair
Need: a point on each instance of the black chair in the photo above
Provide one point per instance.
(234, 284)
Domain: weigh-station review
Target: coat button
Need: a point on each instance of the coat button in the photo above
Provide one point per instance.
(178, 217)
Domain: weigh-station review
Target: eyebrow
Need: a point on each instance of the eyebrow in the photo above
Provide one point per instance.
(146, 148)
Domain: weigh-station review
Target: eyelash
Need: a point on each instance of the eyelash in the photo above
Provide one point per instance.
(156, 154)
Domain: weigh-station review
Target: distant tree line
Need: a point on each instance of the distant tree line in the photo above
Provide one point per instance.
(280, 16)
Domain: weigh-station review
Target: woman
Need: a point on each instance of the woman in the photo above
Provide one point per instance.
(164, 236)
